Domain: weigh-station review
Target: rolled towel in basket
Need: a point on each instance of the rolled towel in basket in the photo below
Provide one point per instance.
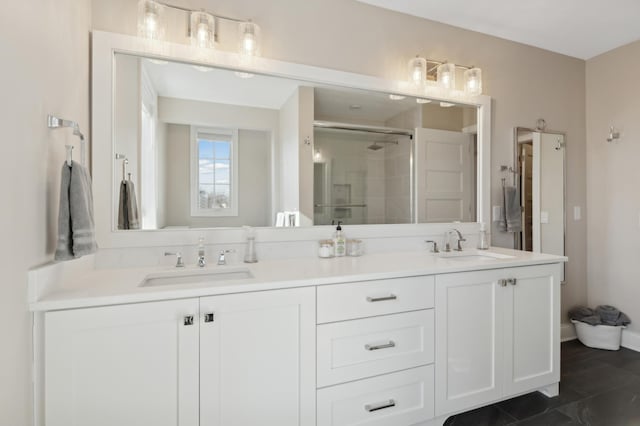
(611, 315)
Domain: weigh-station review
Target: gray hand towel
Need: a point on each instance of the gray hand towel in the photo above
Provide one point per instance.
(128, 217)
(76, 228)
(611, 315)
(511, 220)
(584, 314)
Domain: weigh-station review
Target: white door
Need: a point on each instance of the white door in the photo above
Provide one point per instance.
(532, 328)
(257, 358)
(444, 176)
(125, 365)
(469, 340)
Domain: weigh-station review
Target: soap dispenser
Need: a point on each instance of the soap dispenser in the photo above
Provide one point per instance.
(339, 242)
(201, 261)
(483, 237)
(250, 250)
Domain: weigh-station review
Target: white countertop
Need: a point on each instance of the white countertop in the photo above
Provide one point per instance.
(100, 287)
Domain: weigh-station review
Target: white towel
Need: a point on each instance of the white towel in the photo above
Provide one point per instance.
(76, 227)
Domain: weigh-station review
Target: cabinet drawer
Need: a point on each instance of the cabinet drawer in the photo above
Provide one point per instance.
(370, 298)
(367, 347)
(397, 399)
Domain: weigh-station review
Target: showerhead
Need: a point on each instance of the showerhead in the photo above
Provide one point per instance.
(375, 146)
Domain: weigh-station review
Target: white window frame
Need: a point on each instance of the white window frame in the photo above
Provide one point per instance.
(232, 210)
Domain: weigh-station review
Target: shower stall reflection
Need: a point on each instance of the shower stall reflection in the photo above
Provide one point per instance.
(361, 177)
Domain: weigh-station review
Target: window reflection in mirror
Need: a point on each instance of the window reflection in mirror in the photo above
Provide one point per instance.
(210, 149)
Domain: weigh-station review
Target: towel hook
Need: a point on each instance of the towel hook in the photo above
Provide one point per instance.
(69, 154)
(54, 122)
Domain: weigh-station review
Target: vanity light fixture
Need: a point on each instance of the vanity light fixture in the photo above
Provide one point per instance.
(473, 81)
(151, 23)
(423, 100)
(418, 71)
(395, 97)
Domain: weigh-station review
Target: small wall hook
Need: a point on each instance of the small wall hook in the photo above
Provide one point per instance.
(613, 134)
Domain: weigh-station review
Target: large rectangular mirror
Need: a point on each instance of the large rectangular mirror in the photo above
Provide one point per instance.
(207, 143)
(199, 147)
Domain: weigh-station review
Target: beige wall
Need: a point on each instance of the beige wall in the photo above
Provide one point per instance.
(526, 83)
(45, 68)
(612, 179)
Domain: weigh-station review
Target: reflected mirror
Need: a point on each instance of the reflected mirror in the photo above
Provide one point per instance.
(202, 147)
(540, 179)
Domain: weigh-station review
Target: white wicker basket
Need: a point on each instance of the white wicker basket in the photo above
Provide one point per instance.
(599, 336)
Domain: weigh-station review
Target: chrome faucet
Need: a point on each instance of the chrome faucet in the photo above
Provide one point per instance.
(447, 246)
(434, 247)
(178, 255)
(222, 260)
(201, 261)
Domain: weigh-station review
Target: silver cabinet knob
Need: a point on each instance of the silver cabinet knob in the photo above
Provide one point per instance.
(208, 317)
(188, 320)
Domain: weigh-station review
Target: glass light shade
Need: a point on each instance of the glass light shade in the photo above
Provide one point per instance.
(395, 97)
(447, 76)
(423, 100)
(249, 38)
(151, 23)
(473, 81)
(418, 71)
(203, 30)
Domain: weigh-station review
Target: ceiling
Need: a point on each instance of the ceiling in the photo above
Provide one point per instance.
(579, 28)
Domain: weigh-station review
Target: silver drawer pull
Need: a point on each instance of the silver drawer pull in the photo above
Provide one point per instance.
(381, 299)
(188, 320)
(380, 405)
(208, 317)
(512, 281)
(391, 344)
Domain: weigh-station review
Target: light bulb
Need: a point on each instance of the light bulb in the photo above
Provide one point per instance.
(447, 75)
(249, 35)
(150, 20)
(202, 30)
(473, 81)
(418, 71)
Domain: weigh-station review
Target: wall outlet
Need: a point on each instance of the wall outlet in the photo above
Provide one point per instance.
(577, 213)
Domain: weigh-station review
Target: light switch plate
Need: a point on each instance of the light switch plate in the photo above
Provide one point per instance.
(544, 217)
(497, 213)
(577, 213)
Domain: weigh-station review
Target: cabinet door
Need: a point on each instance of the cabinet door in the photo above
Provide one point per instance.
(125, 365)
(532, 328)
(469, 340)
(257, 358)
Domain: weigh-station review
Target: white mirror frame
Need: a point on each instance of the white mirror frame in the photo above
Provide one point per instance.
(105, 45)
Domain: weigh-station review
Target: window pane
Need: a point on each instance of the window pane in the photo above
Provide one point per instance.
(222, 198)
(223, 168)
(223, 150)
(205, 172)
(205, 196)
(205, 149)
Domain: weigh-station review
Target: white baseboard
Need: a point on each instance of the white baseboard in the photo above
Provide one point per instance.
(568, 332)
(631, 340)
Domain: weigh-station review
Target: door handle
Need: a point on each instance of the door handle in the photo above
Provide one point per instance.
(391, 344)
(381, 299)
(380, 405)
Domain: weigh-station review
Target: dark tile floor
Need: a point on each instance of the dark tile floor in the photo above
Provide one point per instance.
(597, 388)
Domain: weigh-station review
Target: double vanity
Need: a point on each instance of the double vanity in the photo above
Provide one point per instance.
(397, 338)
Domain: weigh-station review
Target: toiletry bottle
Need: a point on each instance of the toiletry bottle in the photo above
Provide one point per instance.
(340, 242)
(250, 251)
(483, 237)
(201, 260)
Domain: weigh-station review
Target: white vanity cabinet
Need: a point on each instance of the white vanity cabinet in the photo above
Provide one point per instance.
(497, 334)
(123, 365)
(257, 358)
(238, 359)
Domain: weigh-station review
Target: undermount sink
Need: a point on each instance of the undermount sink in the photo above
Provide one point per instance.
(472, 255)
(195, 277)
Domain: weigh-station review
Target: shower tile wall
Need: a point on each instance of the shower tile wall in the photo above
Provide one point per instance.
(398, 179)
